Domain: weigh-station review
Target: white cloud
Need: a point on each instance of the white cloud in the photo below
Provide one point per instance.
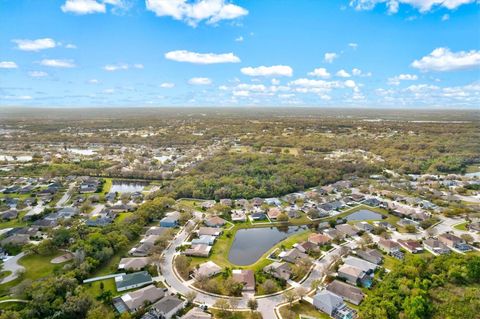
(201, 58)
(93, 81)
(167, 85)
(442, 59)
(17, 97)
(343, 74)
(350, 84)
(83, 6)
(70, 46)
(35, 45)
(200, 81)
(422, 5)
(353, 45)
(274, 70)
(239, 39)
(275, 81)
(402, 77)
(445, 17)
(320, 72)
(358, 72)
(116, 67)
(330, 56)
(8, 65)
(37, 74)
(58, 63)
(138, 66)
(212, 11)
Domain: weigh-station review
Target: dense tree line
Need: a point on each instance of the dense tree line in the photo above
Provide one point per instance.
(444, 287)
(263, 175)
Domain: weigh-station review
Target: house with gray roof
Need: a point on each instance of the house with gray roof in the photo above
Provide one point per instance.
(133, 280)
(167, 307)
(348, 292)
(135, 300)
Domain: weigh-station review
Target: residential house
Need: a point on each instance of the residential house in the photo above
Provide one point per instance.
(145, 246)
(354, 275)
(171, 220)
(364, 226)
(371, 255)
(196, 313)
(273, 213)
(346, 229)
(411, 245)
(133, 280)
(134, 264)
(167, 307)
(364, 265)
(207, 269)
(292, 255)
(455, 242)
(209, 231)
(279, 270)
(135, 300)
(238, 215)
(319, 239)
(157, 231)
(226, 202)
(258, 216)
(388, 246)
(215, 221)
(333, 234)
(9, 214)
(306, 247)
(245, 277)
(332, 305)
(348, 292)
(99, 222)
(436, 246)
(204, 240)
(198, 251)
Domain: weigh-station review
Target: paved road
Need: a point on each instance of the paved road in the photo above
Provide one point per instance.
(12, 265)
(266, 305)
(97, 209)
(66, 196)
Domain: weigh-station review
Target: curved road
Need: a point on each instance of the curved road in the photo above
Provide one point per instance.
(11, 264)
(266, 305)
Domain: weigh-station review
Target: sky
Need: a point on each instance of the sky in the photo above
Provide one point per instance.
(335, 53)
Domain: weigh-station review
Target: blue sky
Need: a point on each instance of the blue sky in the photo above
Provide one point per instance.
(359, 53)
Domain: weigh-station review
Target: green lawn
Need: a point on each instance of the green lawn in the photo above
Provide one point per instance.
(462, 226)
(121, 217)
(304, 308)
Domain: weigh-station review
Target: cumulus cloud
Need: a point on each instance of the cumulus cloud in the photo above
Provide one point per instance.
(70, 46)
(239, 39)
(83, 6)
(343, 74)
(320, 72)
(55, 63)
(200, 81)
(201, 58)
(167, 85)
(358, 72)
(211, 11)
(37, 74)
(274, 70)
(93, 81)
(442, 59)
(330, 56)
(35, 45)
(8, 65)
(353, 45)
(421, 5)
(402, 77)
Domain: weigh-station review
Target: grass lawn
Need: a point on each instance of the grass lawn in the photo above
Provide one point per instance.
(462, 226)
(17, 222)
(4, 274)
(304, 308)
(107, 185)
(121, 217)
(390, 262)
(36, 267)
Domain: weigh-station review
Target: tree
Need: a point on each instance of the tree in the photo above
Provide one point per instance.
(223, 306)
(288, 314)
(99, 311)
(269, 286)
(182, 264)
(190, 296)
(289, 296)
(467, 237)
(282, 217)
(252, 304)
(301, 292)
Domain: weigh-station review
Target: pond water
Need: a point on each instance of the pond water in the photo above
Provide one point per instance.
(364, 214)
(127, 187)
(250, 244)
(20, 158)
(79, 151)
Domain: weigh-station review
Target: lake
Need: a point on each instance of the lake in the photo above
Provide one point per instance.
(364, 214)
(127, 187)
(250, 244)
(79, 151)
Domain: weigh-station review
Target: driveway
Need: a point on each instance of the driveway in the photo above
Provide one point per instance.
(11, 264)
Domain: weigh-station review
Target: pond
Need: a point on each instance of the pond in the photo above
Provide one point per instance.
(250, 244)
(79, 151)
(364, 214)
(127, 186)
(13, 158)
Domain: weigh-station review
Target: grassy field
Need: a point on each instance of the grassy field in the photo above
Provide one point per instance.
(304, 308)
(462, 226)
(36, 267)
